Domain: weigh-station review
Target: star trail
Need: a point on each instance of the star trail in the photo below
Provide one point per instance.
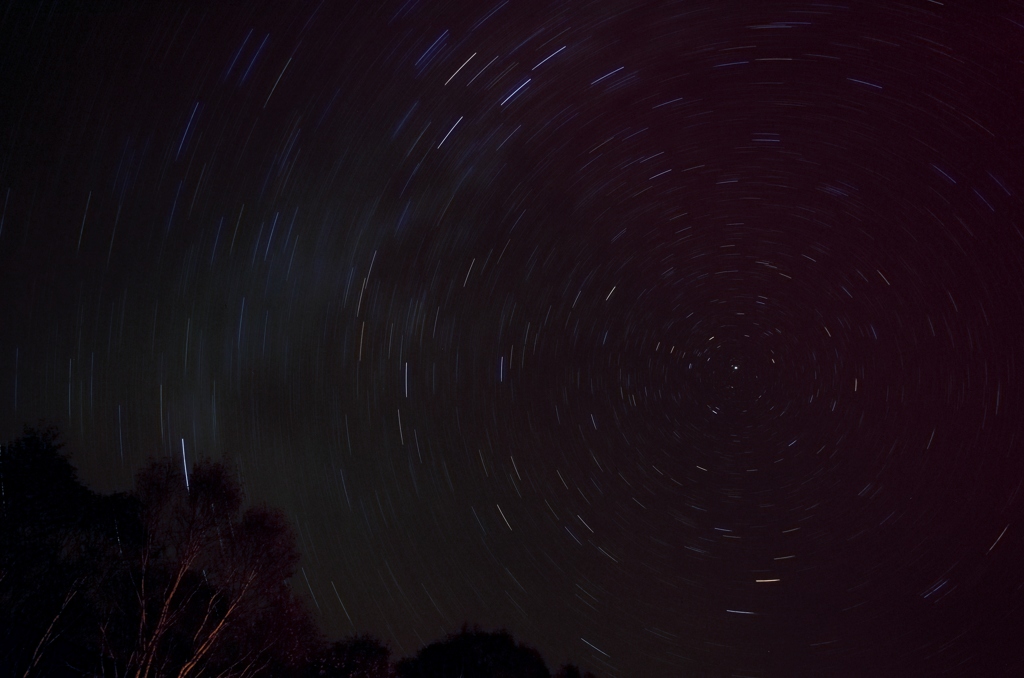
(677, 338)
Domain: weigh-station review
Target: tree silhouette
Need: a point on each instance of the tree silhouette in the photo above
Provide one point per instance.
(179, 578)
(572, 671)
(173, 579)
(57, 541)
(355, 657)
(210, 581)
(475, 654)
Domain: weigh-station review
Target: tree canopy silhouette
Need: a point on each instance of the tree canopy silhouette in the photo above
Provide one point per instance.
(355, 657)
(58, 555)
(180, 577)
(173, 579)
(572, 671)
(211, 580)
(475, 654)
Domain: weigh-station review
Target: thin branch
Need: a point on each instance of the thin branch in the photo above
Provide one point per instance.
(215, 632)
(167, 615)
(37, 654)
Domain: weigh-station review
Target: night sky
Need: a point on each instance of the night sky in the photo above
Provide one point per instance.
(677, 338)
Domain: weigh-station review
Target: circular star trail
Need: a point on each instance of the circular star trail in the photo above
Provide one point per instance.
(678, 339)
